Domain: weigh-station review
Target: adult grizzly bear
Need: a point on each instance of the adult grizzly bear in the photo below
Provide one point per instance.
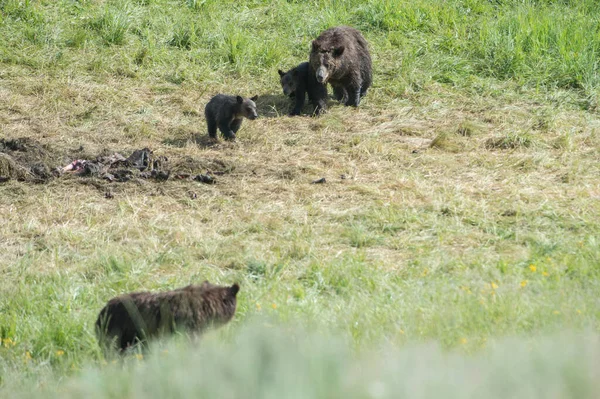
(300, 81)
(139, 316)
(340, 56)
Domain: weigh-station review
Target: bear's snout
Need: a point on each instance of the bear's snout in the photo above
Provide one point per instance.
(322, 74)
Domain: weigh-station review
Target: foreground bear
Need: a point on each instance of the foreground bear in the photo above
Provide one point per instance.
(300, 81)
(139, 316)
(227, 113)
(340, 56)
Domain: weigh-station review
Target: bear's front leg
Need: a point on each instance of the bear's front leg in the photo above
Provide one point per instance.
(340, 94)
(235, 125)
(353, 95)
(318, 96)
(299, 103)
(227, 132)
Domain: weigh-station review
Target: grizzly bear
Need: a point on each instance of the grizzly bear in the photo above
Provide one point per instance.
(340, 56)
(300, 81)
(137, 317)
(227, 113)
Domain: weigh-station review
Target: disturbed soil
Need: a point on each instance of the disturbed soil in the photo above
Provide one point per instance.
(25, 159)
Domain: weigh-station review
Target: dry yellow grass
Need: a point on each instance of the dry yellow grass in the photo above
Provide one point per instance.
(406, 154)
(274, 151)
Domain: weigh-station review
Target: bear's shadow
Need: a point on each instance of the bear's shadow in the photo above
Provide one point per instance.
(272, 105)
(200, 139)
(277, 105)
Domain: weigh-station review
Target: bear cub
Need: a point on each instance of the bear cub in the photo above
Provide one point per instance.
(340, 56)
(227, 112)
(300, 81)
(137, 317)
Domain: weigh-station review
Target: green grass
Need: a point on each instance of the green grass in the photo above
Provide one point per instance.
(262, 361)
(458, 227)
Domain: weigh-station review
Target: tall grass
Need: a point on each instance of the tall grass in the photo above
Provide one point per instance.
(262, 362)
(538, 44)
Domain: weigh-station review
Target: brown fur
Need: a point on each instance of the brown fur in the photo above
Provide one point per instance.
(140, 316)
(300, 81)
(227, 113)
(340, 56)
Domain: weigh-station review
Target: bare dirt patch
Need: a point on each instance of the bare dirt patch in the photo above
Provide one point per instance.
(25, 159)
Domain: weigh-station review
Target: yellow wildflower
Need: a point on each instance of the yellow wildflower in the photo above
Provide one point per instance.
(545, 274)
(425, 271)
(578, 311)
(27, 356)
(60, 353)
(524, 283)
(402, 331)
(494, 286)
(532, 268)
(139, 356)
(274, 305)
(465, 289)
(556, 312)
(463, 341)
(258, 306)
(8, 342)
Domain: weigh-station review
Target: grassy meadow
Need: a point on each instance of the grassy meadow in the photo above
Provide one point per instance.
(454, 249)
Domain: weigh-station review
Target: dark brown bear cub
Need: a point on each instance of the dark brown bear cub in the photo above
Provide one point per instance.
(140, 316)
(300, 81)
(340, 56)
(227, 113)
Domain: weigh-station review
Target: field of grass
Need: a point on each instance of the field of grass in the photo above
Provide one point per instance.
(454, 248)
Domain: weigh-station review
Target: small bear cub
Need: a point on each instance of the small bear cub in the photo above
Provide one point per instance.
(227, 112)
(137, 317)
(300, 81)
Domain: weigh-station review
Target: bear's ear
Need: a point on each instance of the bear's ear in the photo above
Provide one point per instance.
(281, 73)
(295, 72)
(239, 99)
(338, 51)
(234, 289)
(254, 98)
(315, 45)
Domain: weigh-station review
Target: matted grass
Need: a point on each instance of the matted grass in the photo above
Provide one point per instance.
(461, 205)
